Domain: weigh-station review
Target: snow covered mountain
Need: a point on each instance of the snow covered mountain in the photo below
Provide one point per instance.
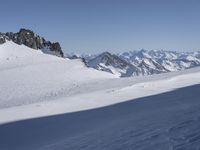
(133, 63)
(27, 75)
(170, 60)
(37, 92)
(143, 62)
(149, 66)
(33, 84)
(112, 63)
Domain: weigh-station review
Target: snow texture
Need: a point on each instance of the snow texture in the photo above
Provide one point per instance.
(33, 84)
(49, 103)
(168, 121)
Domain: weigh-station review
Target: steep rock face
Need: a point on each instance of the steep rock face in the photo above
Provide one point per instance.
(2, 38)
(32, 40)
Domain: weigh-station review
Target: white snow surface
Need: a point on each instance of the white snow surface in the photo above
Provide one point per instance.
(33, 84)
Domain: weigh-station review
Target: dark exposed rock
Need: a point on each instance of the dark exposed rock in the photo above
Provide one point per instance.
(2, 38)
(32, 40)
(57, 48)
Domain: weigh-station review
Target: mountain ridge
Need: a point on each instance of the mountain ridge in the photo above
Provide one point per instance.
(126, 64)
(145, 62)
(30, 39)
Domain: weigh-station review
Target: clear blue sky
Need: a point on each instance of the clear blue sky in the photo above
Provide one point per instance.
(92, 26)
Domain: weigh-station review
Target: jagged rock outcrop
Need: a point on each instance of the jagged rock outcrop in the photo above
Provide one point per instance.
(2, 38)
(32, 40)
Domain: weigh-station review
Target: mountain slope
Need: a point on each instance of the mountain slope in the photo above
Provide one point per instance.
(143, 62)
(34, 84)
(113, 64)
(160, 122)
(168, 60)
(29, 76)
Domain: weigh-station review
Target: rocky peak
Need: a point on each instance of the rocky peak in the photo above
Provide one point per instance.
(114, 64)
(2, 38)
(32, 40)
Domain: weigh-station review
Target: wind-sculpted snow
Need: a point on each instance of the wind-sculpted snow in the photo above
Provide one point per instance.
(168, 121)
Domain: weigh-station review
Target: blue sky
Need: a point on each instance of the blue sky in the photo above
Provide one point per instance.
(93, 26)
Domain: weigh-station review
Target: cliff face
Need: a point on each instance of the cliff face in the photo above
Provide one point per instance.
(32, 40)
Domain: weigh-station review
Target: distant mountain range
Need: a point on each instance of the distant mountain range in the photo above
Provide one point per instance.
(127, 64)
(142, 62)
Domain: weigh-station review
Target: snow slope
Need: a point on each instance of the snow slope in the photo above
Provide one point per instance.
(167, 121)
(28, 76)
(113, 64)
(33, 84)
